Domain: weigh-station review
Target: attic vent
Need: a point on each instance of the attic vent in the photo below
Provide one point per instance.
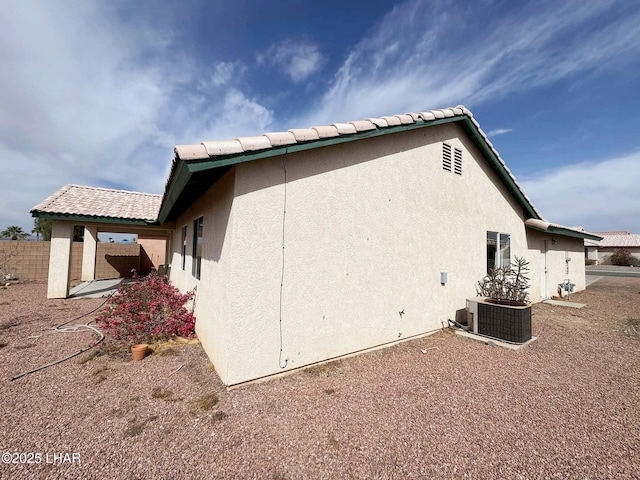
(446, 157)
(457, 161)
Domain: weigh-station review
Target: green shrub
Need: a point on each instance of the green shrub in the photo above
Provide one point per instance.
(147, 310)
(589, 261)
(622, 257)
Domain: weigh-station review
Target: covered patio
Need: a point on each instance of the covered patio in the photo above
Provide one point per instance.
(99, 210)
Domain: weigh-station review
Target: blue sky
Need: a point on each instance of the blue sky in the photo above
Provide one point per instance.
(98, 93)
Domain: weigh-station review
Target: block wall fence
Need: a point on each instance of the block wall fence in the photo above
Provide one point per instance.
(30, 260)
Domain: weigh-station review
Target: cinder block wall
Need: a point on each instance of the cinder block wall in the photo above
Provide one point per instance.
(116, 260)
(30, 260)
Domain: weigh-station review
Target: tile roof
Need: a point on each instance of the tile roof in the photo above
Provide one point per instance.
(617, 240)
(319, 134)
(79, 200)
(293, 136)
(619, 232)
(545, 226)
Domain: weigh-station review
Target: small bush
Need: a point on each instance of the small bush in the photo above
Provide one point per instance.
(159, 392)
(508, 283)
(589, 261)
(205, 402)
(622, 257)
(147, 310)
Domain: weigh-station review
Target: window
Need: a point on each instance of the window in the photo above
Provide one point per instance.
(498, 250)
(183, 251)
(197, 247)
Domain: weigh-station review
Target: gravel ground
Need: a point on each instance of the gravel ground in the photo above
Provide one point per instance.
(566, 407)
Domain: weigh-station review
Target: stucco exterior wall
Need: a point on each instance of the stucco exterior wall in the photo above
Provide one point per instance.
(214, 326)
(347, 254)
(368, 228)
(152, 252)
(592, 253)
(564, 259)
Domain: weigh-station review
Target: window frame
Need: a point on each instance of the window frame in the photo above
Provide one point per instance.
(196, 250)
(500, 257)
(183, 248)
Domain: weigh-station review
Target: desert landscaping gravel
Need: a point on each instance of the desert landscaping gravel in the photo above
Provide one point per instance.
(441, 406)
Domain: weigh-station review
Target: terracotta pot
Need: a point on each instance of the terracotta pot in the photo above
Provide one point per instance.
(140, 351)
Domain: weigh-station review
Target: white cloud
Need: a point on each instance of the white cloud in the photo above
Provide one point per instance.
(450, 53)
(499, 131)
(224, 72)
(75, 103)
(298, 59)
(237, 115)
(89, 96)
(600, 196)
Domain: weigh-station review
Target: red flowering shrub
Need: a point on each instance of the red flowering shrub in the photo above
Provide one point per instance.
(147, 310)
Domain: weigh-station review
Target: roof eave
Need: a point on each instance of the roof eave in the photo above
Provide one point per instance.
(496, 165)
(93, 218)
(566, 232)
(186, 168)
(178, 179)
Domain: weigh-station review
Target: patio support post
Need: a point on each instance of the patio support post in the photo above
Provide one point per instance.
(89, 254)
(60, 259)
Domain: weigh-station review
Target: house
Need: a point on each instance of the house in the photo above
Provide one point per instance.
(601, 251)
(99, 210)
(315, 243)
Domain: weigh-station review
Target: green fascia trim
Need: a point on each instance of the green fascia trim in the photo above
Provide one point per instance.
(496, 165)
(565, 232)
(187, 168)
(92, 219)
(178, 182)
(223, 161)
(572, 233)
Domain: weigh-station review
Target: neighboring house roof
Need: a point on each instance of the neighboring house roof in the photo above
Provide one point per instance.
(78, 202)
(620, 232)
(617, 240)
(544, 226)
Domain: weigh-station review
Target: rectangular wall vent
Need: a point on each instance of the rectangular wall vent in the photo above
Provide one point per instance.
(457, 161)
(446, 157)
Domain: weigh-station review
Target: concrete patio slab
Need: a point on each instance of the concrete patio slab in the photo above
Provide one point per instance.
(562, 303)
(495, 342)
(591, 279)
(97, 288)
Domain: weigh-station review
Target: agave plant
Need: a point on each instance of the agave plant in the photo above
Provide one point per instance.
(506, 284)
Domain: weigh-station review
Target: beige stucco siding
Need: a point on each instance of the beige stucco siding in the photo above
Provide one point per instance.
(368, 228)
(154, 251)
(564, 259)
(212, 301)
